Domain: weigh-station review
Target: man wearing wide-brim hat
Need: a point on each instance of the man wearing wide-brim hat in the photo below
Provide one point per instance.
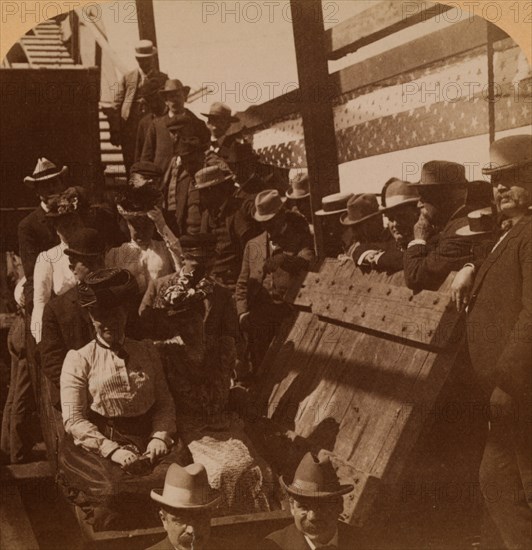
(497, 292)
(385, 253)
(316, 502)
(332, 206)
(298, 195)
(436, 250)
(158, 146)
(186, 504)
(35, 232)
(282, 251)
(126, 111)
(227, 216)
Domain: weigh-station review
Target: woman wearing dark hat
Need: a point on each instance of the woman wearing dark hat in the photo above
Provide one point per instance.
(52, 274)
(117, 411)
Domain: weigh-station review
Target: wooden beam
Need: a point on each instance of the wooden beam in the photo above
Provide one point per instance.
(424, 51)
(316, 106)
(377, 22)
(146, 22)
(491, 30)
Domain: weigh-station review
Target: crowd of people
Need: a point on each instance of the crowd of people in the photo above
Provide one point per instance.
(150, 317)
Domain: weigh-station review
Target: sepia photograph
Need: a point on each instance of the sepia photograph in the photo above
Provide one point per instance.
(265, 275)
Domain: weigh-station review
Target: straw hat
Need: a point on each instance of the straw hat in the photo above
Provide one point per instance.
(479, 222)
(45, 170)
(145, 48)
(333, 204)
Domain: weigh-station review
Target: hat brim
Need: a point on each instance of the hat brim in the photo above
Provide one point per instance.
(186, 90)
(213, 183)
(342, 490)
(156, 495)
(74, 252)
(29, 180)
(384, 209)
(322, 212)
(419, 184)
(266, 217)
(130, 214)
(505, 168)
(151, 54)
(466, 232)
(344, 220)
(290, 195)
(230, 118)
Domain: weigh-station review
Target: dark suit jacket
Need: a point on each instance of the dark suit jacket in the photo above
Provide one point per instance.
(66, 326)
(35, 235)
(212, 544)
(252, 275)
(499, 322)
(158, 145)
(290, 538)
(427, 266)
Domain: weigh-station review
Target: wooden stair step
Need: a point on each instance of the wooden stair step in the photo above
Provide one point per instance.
(112, 158)
(104, 125)
(40, 53)
(52, 61)
(107, 147)
(105, 135)
(115, 170)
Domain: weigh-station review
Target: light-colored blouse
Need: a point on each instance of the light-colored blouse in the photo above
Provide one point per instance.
(51, 275)
(145, 265)
(95, 378)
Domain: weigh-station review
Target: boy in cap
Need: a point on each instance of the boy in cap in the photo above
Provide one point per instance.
(315, 496)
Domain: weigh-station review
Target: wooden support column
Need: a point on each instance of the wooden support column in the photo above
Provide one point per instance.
(146, 22)
(316, 105)
(491, 80)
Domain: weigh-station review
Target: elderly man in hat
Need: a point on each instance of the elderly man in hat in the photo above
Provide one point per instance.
(399, 204)
(126, 110)
(227, 216)
(316, 502)
(182, 204)
(283, 250)
(66, 325)
(35, 232)
(498, 292)
(185, 507)
(219, 120)
(436, 249)
(332, 207)
(159, 146)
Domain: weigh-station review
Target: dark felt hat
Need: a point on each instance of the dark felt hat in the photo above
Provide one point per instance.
(107, 288)
(315, 477)
(440, 173)
(509, 153)
(85, 242)
(360, 208)
(174, 85)
(45, 170)
(211, 176)
(220, 110)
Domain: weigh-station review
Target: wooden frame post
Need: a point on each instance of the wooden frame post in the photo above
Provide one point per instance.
(491, 81)
(146, 22)
(316, 106)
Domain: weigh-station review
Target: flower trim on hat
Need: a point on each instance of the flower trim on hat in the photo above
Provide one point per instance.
(180, 293)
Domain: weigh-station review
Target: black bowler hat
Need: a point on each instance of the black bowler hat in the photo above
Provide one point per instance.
(201, 245)
(107, 288)
(85, 242)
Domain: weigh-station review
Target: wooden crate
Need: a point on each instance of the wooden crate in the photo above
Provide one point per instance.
(354, 371)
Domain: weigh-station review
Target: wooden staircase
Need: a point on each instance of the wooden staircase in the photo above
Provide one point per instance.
(44, 49)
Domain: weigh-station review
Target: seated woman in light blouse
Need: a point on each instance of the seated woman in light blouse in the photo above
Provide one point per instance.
(118, 413)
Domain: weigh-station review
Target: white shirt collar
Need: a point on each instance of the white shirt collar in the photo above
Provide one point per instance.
(316, 546)
(44, 206)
